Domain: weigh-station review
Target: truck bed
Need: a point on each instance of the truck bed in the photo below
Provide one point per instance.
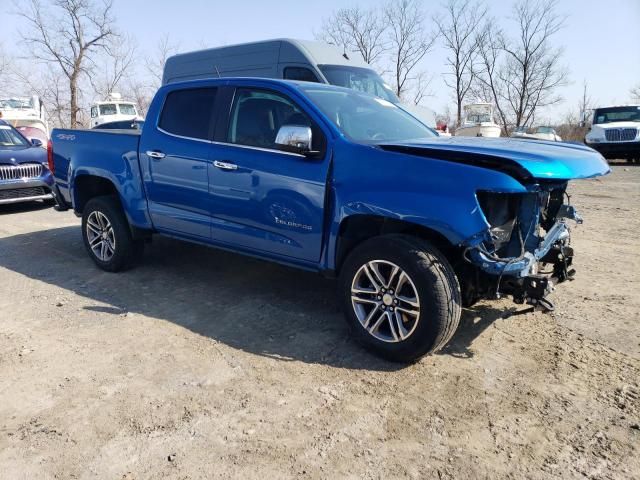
(109, 153)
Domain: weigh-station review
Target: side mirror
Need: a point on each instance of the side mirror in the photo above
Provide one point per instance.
(36, 142)
(294, 138)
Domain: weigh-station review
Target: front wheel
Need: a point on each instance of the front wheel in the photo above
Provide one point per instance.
(401, 297)
(107, 236)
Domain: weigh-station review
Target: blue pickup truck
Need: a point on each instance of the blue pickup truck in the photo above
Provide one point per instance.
(323, 178)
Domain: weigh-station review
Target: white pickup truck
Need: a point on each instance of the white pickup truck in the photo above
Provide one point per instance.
(615, 132)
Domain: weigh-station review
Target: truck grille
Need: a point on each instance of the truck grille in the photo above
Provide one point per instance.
(22, 193)
(19, 172)
(620, 134)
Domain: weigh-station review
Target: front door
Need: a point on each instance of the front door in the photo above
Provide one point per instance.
(264, 199)
(174, 159)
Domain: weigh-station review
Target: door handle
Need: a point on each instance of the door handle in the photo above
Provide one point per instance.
(225, 165)
(155, 154)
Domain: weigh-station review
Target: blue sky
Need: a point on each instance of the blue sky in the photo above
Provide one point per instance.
(601, 39)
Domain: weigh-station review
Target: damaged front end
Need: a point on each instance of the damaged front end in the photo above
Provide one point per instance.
(525, 250)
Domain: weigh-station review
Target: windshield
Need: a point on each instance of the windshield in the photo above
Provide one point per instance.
(367, 119)
(616, 114)
(108, 109)
(360, 79)
(544, 130)
(16, 103)
(127, 109)
(478, 113)
(10, 138)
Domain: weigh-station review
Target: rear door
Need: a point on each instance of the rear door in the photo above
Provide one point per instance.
(174, 156)
(264, 199)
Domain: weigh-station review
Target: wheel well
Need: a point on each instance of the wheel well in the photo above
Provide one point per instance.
(87, 187)
(356, 229)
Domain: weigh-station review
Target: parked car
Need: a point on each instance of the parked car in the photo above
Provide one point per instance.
(615, 132)
(336, 181)
(288, 59)
(24, 175)
(539, 133)
(121, 125)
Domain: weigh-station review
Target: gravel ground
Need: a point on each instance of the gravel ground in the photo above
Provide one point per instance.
(205, 364)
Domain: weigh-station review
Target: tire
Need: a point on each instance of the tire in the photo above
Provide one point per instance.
(104, 214)
(416, 330)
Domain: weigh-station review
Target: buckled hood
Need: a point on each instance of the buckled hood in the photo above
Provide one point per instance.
(523, 159)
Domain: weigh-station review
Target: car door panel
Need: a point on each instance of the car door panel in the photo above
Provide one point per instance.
(174, 157)
(265, 199)
(272, 202)
(177, 187)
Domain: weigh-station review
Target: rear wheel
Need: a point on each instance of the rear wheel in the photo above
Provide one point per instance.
(107, 236)
(401, 297)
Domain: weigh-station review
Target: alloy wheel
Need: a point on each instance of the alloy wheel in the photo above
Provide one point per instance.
(385, 301)
(101, 237)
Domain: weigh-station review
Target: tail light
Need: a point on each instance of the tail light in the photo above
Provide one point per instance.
(50, 162)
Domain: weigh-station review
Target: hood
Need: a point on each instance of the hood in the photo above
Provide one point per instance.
(18, 155)
(522, 159)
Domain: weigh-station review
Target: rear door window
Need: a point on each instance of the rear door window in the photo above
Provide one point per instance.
(189, 113)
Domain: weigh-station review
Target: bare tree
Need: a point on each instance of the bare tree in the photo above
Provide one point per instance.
(155, 63)
(586, 103)
(458, 31)
(523, 73)
(422, 87)
(4, 64)
(635, 93)
(118, 64)
(49, 86)
(487, 85)
(532, 70)
(356, 29)
(408, 42)
(68, 37)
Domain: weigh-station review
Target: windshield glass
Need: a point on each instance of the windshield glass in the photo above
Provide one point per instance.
(10, 138)
(544, 130)
(16, 103)
(616, 114)
(360, 79)
(127, 109)
(367, 119)
(108, 109)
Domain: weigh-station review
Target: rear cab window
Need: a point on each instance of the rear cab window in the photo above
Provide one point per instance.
(189, 113)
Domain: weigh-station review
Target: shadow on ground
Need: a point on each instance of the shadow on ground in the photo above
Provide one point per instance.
(248, 304)
(23, 207)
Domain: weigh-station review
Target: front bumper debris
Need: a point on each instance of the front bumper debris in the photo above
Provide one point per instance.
(521, 277)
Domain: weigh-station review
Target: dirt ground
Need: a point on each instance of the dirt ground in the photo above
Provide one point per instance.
(204, 364)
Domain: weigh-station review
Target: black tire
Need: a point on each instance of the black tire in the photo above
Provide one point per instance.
(126, 251)
(436, 286)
